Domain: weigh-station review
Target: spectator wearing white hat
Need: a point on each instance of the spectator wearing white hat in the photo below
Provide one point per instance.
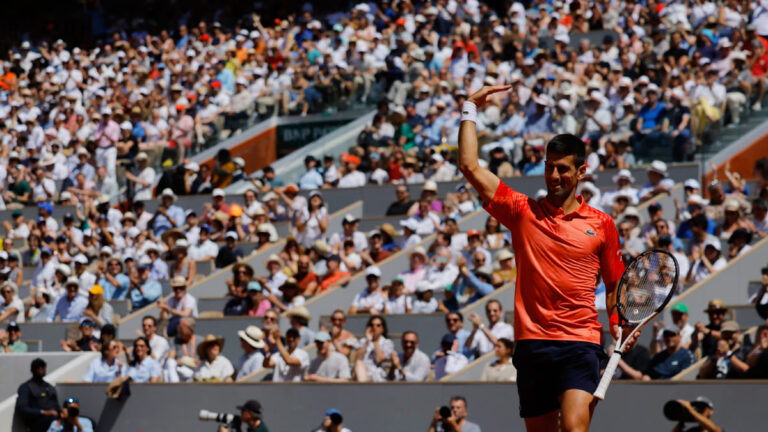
(650, 120)
(70, 307)
(143, 180)
(706, 260)
(252, 360)
(144, 290)
(410, 238)
(371, 300)
(709, 102)
(183, 264)
(425, 301)
(329, 365)
(168, 215)
(658, 182)
(349, 231)
(598, 117)
(563, 120)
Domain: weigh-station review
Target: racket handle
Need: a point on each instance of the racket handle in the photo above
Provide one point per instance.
(607, 375)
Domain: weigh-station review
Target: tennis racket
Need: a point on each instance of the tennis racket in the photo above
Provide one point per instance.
(647, 285)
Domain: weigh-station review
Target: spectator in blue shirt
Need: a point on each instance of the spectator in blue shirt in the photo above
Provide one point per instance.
(107, 367)
(454, 322)
(142, 367)
(671, 361)
(226, 77)
(535, 165)
(70, 307)
(144, 291)
(650, 119)
(479, 280)
(158, 267)
(167, 215)
(115, 283)
(70, 419)
(311, 179)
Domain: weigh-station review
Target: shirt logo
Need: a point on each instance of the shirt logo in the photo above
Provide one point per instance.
(590, 232)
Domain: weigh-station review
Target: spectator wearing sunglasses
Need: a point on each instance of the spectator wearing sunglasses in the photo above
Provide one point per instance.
(87, 341)
(707, 336)
(107, 367)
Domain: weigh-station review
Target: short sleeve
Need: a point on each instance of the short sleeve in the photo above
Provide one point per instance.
(611, 264)
(505, 205)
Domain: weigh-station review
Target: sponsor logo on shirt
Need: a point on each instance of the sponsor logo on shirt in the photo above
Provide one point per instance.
(591, 233)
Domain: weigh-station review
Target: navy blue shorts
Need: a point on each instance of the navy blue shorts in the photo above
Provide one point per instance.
(546, 369)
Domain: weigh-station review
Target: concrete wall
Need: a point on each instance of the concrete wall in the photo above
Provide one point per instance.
(630, 407)
(15, 368)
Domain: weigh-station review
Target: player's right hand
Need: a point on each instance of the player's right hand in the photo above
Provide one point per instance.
(480, 96)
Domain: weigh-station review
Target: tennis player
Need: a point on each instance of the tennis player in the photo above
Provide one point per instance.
(561, 246)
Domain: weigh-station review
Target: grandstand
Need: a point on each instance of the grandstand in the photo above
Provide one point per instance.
(274, 182)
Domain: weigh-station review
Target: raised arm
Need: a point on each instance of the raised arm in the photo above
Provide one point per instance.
(482, 179)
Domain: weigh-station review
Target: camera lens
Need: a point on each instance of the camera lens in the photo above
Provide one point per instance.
(336, 419)
(73, 412)
(445, 412)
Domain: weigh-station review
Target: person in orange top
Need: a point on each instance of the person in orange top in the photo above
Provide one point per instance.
(334, 275)
(561, 245)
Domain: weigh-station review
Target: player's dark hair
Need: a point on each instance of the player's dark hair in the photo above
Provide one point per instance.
(700, 221)
(764, 271)
(568, 144)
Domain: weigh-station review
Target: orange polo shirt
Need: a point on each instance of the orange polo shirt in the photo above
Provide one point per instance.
(559, 257)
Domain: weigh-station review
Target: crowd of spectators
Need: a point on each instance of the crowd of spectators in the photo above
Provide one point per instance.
(89, 127)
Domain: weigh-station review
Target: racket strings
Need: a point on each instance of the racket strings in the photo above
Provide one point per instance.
(648, 282)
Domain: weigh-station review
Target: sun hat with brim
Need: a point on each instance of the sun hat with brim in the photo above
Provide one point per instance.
(623, 174)
(208, 341)
(322, 336)
(181, 243)
(253, 336)
(730, 326)
(424, 286)
(388, 229)
(273, 258)
(299, 311)
(659, 167)
(168, 192)
(504, 255)
(188, 362)
(418, 251)
(179, 281)
(174, 233)
(72, 281)
(715, 305)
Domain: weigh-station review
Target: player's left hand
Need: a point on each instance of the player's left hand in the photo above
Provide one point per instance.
(625, 332)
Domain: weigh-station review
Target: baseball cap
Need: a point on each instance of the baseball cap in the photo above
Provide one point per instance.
(692, 184)
(730, 326)
(252, 405)
(680, 307)
(323, 336)
(373, 271)
(703, 400)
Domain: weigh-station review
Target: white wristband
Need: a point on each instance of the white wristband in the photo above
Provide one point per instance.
(469, 112)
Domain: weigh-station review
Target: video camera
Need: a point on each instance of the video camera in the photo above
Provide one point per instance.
(231, 420)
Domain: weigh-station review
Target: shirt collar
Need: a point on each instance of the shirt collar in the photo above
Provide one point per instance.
(581, 210)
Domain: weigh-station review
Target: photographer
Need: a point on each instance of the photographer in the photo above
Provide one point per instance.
(453, 418)
(70, 419)
(701, 411)
(250, 417)
(332, 422)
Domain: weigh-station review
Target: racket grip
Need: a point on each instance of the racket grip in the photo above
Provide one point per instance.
(607, 375)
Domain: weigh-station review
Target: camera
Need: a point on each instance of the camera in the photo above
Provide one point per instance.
(73, 412)
(674, 411)
(232, 420)
(445, 412)
(336, 419)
